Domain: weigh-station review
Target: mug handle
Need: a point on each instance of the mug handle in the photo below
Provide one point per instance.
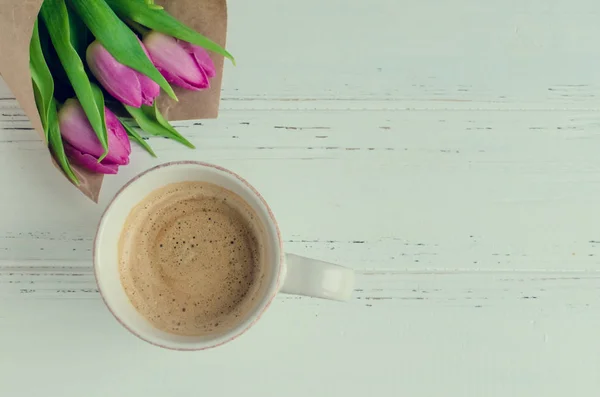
(311, 277)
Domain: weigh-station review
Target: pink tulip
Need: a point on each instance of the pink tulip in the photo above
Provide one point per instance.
(82, 145)
(181, 63)
(124, 83)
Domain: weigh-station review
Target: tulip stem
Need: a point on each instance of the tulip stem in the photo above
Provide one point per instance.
(142, 30)
(153, 6)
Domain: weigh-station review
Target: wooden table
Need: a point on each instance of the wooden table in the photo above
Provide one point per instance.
(449, 152)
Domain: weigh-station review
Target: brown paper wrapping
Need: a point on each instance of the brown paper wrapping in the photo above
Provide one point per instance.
(208, 17)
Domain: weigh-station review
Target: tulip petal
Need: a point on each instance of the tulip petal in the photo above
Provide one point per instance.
(178, 81)
(150, 89)
(75, 128)
(143, 47)
(202, 58)
(77, 131)
(119, 80)
(174, 62)
(113, 124)
(90, 162)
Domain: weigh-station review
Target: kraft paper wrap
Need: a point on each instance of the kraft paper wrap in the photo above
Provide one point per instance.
(208, 17)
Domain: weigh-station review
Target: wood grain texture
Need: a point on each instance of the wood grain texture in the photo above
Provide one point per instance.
(448, 152)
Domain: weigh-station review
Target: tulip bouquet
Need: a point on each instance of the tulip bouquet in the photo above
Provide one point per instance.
(97, 68)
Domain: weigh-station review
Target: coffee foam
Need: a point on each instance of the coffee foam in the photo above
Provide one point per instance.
(190, 258)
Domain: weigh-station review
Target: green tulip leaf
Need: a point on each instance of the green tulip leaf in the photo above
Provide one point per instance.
(141, 30)
(80, 35)
(56, 143)
(153, 113)
(43, 83)
(147, 119)
(134, 136)
(99, 99)
(118, 39)
(62, 87)
(151, 4)
(55, 16)
(39, 100)
(161, 21)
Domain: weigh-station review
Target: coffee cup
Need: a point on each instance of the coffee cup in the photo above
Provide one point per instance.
(286, 273)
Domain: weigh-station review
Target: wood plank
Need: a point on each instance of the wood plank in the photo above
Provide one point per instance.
(492, 334)
(74, 280)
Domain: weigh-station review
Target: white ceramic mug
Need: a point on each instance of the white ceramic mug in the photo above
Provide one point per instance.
(285, 272)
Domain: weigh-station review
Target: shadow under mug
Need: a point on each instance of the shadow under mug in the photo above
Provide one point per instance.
(284, 272)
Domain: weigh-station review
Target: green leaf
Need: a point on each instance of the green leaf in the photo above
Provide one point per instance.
(62, 87)
(39, 104)
(55, 16)
(79, 33)
(151, 4)
(118, 39)
(141, 30)
(99, 99)
(43, 84)
(161, 21)
(154, 113)
(147, 119)
(56, 143)
(134, 136)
